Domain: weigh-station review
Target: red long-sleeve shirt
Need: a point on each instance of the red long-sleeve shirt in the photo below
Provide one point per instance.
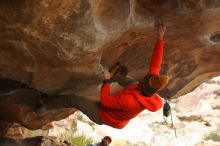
(117, 110)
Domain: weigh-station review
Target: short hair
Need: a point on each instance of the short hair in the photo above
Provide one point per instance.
(108, 138)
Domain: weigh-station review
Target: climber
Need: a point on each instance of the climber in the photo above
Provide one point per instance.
(118, 109)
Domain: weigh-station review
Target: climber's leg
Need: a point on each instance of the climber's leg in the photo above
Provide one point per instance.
(23, 96)
(87, 106)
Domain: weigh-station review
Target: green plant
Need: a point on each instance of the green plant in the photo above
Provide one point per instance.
(213, 135)
(76, 139)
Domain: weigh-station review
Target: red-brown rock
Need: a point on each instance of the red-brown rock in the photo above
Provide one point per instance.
(55, 46)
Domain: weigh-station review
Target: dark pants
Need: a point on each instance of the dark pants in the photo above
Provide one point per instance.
(33, 98)
(87, 106)
(21, 96)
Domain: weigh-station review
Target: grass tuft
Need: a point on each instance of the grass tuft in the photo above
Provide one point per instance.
(213, 135)
(76, 139)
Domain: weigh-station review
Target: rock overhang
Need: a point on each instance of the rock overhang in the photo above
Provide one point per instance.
(57, 46)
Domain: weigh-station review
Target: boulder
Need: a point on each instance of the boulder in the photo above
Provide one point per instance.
(56, 46)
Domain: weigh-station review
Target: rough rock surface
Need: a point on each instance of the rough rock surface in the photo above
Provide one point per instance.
(55, 46)
(201, 105)
(33, 141)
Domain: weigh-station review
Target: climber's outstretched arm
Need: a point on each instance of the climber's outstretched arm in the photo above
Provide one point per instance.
(157, 56)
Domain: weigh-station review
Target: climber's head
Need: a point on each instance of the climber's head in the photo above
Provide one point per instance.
(152, 83)
(106, 141)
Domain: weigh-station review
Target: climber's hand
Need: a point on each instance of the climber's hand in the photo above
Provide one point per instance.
(106, 74)
(161, 31)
